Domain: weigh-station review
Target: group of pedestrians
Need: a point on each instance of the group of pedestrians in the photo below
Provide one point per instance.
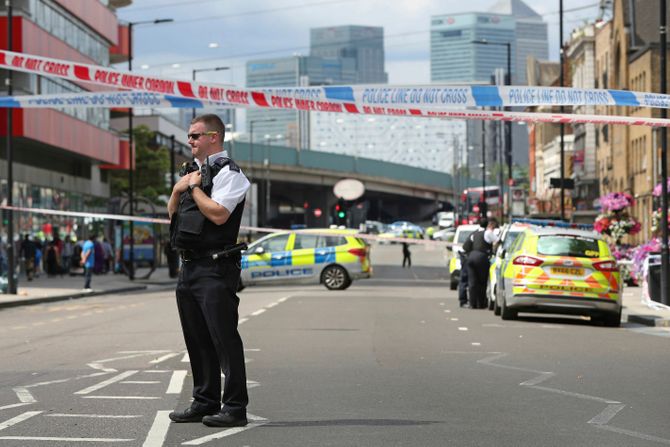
(475, 265)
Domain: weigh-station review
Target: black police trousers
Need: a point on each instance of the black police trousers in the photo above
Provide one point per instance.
(207, 303)
(478, 277)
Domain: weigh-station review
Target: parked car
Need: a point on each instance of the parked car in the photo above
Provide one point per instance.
(560, 270)
(508, 235)
(332, 257)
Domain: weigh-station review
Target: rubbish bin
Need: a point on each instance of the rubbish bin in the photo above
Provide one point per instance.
(654, 282)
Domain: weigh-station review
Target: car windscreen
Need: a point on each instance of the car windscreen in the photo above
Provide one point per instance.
(463, 236)
(568, 245)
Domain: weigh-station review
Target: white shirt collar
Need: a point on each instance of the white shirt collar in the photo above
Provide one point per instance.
(213, 157)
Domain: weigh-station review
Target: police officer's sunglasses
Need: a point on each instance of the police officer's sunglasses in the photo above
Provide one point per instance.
(195, 135)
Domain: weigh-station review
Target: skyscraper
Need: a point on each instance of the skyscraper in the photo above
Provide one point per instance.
(455, 57)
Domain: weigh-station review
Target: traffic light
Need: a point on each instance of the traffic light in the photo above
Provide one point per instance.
(340, 213)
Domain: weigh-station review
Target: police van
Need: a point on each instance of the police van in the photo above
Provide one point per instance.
(332, 257)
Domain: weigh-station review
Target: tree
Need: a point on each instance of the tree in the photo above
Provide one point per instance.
(151, 164)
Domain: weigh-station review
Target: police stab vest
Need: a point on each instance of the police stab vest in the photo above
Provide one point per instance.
(191, 230)
(480, 244)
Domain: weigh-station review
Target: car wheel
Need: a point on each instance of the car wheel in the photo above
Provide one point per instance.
(496, 308)
(611, 320)
(506, 313)
(335, 277)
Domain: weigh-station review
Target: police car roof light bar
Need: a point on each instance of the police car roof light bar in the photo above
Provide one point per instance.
(553, 223)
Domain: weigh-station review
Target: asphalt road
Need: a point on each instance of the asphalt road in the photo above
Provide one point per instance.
(390, 361)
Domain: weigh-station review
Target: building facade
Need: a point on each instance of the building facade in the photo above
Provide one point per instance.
(58, 153)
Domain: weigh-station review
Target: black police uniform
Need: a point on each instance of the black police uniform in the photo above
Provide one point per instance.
(208, 303)
(478, 268)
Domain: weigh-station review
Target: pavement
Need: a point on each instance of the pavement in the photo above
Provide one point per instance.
(46, 289)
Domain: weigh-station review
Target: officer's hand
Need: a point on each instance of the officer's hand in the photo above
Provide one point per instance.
(182, 184)
(195, 178)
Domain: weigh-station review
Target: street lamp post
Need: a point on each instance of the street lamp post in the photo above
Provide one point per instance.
(172, 161)
(665, 261)
(508, 124)
(11, 255)
(200, 70)
(562, 83)
(131, 153)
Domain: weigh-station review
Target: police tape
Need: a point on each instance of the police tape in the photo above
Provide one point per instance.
(107, 100)
(321, 98)
(245, 228)
(154, 100)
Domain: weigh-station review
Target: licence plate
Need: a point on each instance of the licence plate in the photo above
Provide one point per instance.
(567, 271)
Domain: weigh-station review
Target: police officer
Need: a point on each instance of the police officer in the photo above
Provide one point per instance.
(479, 248)
(205, 211)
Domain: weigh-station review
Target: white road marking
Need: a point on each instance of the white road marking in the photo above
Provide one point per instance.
(281, 300)
(242, 321)
(271, 305)
(454, 319)
(156, 371)
(462, 329)
(45, 438)
(122, 397)
(164, 358)
(24, 395)
(633, 434)
(176, 382)
(476, 344)
(158, 431)
(447, 311)
(573, 394)
(537, 380)
(140, 382)
(18, 419)
(152, 351)
(186, 358)
(252, 350)
(7, 407)
(607, 414)
(258, 312)
(95, 416)
(254, 421)
(441, 304)
(102, 367)
(107, 382)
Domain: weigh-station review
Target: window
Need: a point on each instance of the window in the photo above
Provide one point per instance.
(567, 245)
(330, 241)
(276, 243)
(305, 241)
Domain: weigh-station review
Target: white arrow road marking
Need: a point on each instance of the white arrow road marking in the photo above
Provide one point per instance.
(95, 416)
(158, 431)
(17, 419)
(176, 382)
(186, 358)
(107, 382)
(607, 414)
(254, 421)
(24, 395)
(7, 407)
(164, 358)
(122, 397)
(45, 438)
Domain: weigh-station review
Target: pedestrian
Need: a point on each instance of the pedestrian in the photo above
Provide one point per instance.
(463, 280)
(88, 261)
(66, 256)
(3, 256)
(52, 262)
(406, 255)
(27, 254)
(99, 251)
(206, 210)
(109, 255)
(479, 249)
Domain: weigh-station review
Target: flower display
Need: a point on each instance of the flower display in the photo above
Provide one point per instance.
(616, 201)
(616, 222)
(641, 252)
(656, 220)
(658, 188)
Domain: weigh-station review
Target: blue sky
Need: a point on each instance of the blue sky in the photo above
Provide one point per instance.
(211, 33)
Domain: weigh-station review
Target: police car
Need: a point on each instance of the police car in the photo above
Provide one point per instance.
(332, 257)
(560, 270)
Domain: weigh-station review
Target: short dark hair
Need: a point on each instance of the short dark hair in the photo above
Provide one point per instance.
(212, 122)
(483, 222)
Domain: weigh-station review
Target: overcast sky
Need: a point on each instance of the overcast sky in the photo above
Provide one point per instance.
(211, 33)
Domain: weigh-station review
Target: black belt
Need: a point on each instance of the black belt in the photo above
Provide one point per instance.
(231, 252)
